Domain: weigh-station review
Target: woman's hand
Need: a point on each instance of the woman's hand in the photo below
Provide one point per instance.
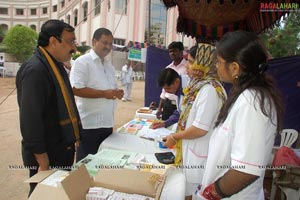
(169, 141)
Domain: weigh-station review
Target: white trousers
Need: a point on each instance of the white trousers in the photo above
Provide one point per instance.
(127, 90)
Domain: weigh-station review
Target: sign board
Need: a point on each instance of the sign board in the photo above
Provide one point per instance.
(135, 54)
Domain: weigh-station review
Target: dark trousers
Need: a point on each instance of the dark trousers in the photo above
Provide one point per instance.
(168, 109)
(32, 186)
(60, 157)
(91, 140)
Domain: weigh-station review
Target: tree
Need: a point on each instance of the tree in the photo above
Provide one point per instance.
(20, 41)
(284, 39)
(1, 34)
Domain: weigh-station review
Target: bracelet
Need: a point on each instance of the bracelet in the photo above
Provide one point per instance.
(210, 193)
(172, 137)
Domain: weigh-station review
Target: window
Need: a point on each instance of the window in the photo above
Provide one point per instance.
(33, 11)
(62, 3)
(75, 17)
(68, 19)
(54, 8)
(85, 11)
(121, 7)
(33, 27)
(3, 11)
(4, 27)
(155, 31)
(97, 7)
(119, 41)
(45, 10)
(19, 11)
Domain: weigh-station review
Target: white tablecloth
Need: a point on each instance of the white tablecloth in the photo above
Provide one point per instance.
(151, 115)
(120, 141)
(174, 187)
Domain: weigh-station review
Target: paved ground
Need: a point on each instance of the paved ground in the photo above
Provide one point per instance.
(12, 179)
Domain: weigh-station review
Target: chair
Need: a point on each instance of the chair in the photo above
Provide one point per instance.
(290, 185)
(2, 70)
(288, 137)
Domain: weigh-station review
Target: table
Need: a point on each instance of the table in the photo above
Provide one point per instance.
(174, 187)
(148, 115)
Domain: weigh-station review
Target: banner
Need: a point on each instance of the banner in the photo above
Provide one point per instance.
(135, 54)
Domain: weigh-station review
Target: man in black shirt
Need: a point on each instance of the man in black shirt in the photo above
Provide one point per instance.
(49, 120)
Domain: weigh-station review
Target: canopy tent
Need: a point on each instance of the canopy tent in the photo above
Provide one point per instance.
(210, 19)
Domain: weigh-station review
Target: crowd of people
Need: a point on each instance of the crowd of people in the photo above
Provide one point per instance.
(218, 132)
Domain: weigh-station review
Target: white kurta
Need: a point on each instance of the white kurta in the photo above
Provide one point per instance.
(194, 151)
(89, 71)
(244, 142)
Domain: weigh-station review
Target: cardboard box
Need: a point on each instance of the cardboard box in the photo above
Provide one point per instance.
(77, 183)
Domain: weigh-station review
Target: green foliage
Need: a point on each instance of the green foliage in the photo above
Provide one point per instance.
(20, 41)
(284, 40)
(76, 55)
(83, 49)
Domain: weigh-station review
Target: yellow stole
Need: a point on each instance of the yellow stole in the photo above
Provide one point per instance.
(66, 96)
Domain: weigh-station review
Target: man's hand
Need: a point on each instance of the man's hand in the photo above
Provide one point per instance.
(120, 93)
(43, 161)
(158, 114)
(158, 124)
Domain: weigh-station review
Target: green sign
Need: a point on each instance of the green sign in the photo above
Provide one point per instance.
(135, 54)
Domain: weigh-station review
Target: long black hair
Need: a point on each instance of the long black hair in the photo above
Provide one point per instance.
(247, 50)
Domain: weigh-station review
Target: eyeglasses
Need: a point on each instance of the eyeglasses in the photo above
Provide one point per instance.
(69, 41)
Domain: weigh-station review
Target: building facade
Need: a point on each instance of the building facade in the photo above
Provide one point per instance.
(128, 19)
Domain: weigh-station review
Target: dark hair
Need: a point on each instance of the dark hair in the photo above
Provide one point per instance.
(176, 45)
(52, 27)
(193, 51)
(167, 77)
(101, 31)
(247, 50)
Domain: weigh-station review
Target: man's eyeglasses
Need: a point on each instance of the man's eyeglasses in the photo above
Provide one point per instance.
(69, 41)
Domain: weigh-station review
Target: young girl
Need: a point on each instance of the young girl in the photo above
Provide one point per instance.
(241, 143)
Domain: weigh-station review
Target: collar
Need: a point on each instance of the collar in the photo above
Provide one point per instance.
(181, 63)
(60, 64)
(94, 55)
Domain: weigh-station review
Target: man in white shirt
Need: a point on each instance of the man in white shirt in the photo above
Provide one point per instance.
(94, 84)
(127, 79)
(167, 104)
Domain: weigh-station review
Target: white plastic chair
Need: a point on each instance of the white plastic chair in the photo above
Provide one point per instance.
(290, 194)
(288, 137)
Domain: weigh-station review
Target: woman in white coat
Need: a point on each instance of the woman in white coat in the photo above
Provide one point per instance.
(203, 98)
(241, 143)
